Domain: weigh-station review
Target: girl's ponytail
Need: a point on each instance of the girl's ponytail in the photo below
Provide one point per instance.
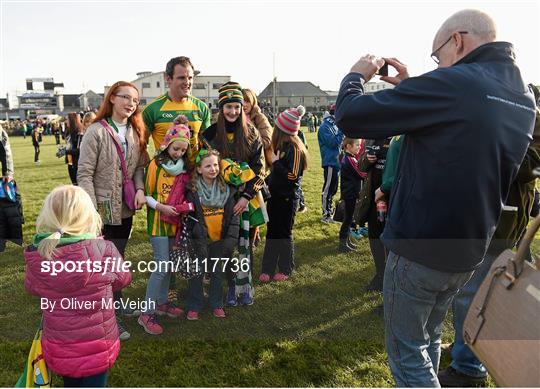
(48, 245)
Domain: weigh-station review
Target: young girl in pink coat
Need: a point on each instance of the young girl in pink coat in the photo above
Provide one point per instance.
(75, 274)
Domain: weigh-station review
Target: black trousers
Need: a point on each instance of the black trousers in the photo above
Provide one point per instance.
(119, 235)
(348, 219)
(36, 153)
(330, 187)
(72, 170)
(378, 251)
(279, 247)
(10, 223)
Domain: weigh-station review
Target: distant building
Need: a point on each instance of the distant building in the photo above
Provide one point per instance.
(90, 100)
(40, 98)
(150, 85)
(70, 103)
(205, 88)
(6, 112)
(294, 93)
(332, 96)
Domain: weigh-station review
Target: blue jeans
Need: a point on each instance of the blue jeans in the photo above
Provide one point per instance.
(158, 284)
(416, 301)
(463, 359)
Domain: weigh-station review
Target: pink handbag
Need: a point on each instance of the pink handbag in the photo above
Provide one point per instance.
(128, 186)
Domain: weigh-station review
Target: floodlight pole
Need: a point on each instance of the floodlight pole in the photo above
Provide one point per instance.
(274, 102)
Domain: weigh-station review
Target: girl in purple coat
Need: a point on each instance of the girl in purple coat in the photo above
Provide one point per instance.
(75, 273)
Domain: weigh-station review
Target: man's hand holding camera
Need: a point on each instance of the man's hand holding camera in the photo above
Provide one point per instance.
(369, 65)
(371, 158)
(372, 153)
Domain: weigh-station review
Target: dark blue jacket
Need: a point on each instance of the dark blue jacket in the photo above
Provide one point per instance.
(468, 127)
(351, 180)
(330, 138)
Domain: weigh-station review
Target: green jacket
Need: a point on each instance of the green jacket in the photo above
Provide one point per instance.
(390, 167)
(513, 223)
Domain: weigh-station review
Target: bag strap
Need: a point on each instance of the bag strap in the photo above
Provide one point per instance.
(107, 127)
(519, 259)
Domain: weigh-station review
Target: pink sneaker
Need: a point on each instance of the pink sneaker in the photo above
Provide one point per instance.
(219, 312)
(193, 315)
(264, 277)
(150, 324)
(169, 309)
(280, 277)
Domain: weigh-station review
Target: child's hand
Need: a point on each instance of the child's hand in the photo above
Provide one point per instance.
(379, 195)
(140, 199)
(240, 206)
(168, 210)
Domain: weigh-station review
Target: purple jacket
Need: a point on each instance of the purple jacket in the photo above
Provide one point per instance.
(80, 336)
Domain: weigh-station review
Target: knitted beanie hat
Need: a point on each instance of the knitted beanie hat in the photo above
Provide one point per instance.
(230, 92)
(178, 131)
(288, 121)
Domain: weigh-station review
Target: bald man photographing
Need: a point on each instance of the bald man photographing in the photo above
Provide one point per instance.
(468, 125)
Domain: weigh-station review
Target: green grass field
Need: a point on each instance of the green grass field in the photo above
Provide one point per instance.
(318, 329)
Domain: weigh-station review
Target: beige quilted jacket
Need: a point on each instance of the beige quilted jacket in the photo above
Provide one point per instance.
(262, 124)
(100, 172)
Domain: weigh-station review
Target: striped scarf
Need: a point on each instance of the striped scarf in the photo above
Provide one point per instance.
(237, 174)
(244, 280)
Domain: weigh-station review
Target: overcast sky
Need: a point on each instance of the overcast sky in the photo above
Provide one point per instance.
(87, 45)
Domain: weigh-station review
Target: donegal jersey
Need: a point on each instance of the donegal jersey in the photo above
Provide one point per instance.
(159, 114)
(213, 218)
(158, 184)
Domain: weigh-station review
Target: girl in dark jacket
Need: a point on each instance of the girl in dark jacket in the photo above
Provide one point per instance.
(288, 165)
(351, 182)
(215, 235)
(236, 139)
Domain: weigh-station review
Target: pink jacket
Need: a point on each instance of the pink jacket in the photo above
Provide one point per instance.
(80, 336)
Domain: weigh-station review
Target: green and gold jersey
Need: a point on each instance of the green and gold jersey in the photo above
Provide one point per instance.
(159, 114)
(158, 184)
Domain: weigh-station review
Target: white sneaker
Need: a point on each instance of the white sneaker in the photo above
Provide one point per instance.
(123, 333)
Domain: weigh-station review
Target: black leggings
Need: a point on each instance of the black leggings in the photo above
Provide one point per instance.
(72, 170)
(119, 235)
(36, 153)
(348, 219)
(279, 247)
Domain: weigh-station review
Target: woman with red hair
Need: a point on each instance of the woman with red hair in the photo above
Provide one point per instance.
(100, 173)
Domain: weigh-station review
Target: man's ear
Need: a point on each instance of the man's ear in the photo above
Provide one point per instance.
(460, 44)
